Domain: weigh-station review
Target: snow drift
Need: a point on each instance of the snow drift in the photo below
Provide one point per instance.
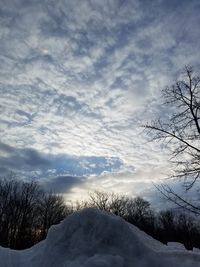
(91, 238)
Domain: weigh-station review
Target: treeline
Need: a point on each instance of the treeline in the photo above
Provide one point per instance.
(27, 212)
(165, 226)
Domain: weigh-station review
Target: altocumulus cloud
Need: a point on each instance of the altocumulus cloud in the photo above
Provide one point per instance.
(77, 78)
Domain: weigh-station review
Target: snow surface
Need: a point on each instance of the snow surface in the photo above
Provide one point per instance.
(91, 238)
(176, 245)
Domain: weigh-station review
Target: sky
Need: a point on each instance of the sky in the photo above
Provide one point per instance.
(77, 81)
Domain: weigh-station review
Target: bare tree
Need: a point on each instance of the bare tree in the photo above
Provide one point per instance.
(119, 204)
(180, 201)
(181, 129)
(166, 219)
(28, 196)
(52, 210)
(99, 200)
(138, 210)
(27, 212)
(110, 202)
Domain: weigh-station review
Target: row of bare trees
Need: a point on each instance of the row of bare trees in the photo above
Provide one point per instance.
(166, 226)
(27, 212)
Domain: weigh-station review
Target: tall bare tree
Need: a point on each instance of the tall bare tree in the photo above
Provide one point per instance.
(181, 128)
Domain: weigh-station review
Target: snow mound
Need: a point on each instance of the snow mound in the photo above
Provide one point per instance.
(91, 238)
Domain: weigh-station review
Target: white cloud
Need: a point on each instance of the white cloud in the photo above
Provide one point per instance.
(80, 77)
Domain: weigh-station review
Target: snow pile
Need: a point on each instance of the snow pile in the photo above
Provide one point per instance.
(91, 238)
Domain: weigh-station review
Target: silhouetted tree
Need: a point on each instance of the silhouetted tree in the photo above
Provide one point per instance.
(181, 129)
(110, 202)
(138, 209)
(185, 229)
(52, 209)
(139, 213)
(119, 205)
(27, 212)
(99, 200)
(29, 196)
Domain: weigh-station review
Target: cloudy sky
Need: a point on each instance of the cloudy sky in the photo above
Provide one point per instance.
(77, 80)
